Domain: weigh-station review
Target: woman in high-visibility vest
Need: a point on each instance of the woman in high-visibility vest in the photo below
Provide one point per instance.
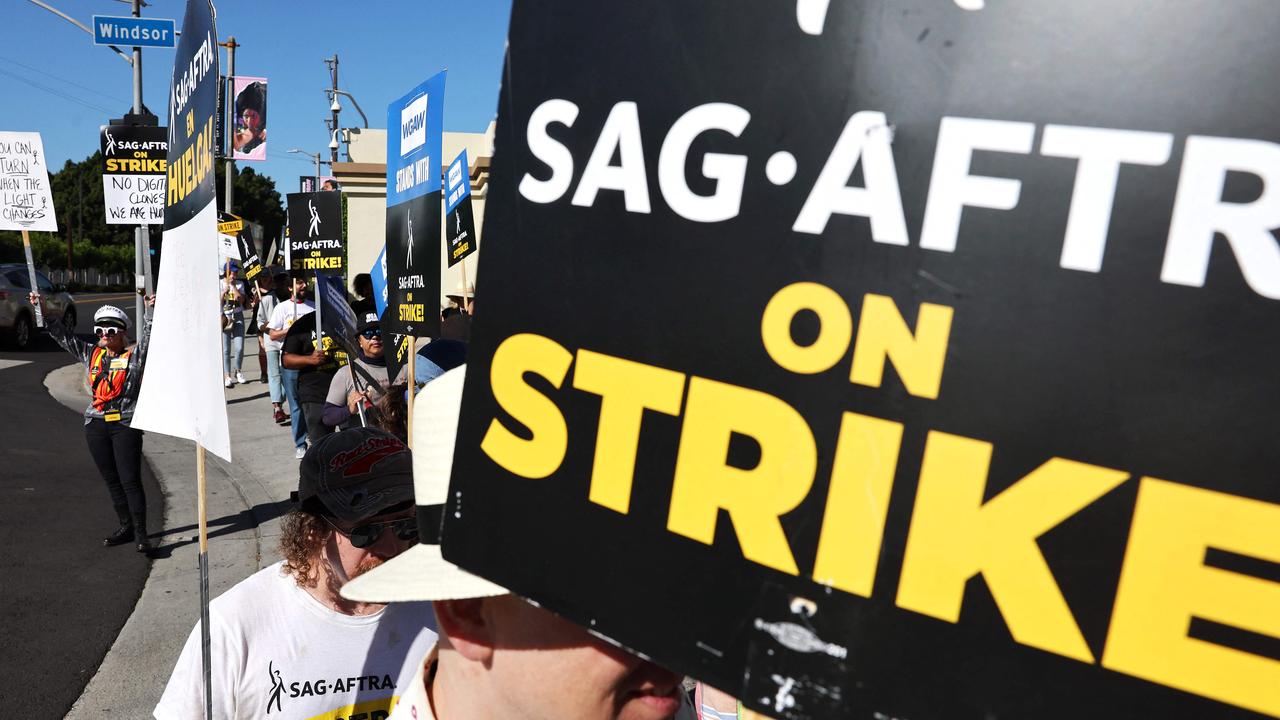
(115, 375)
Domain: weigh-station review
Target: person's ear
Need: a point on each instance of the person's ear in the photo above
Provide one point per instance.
(468, 626)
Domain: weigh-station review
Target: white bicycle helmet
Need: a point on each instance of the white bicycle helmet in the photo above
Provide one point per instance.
(111, 315)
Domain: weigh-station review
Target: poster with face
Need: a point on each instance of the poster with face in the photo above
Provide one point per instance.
(890, 360)
(249, 132)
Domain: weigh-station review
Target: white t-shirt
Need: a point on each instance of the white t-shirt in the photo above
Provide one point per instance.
(283, 316)
(277, 652)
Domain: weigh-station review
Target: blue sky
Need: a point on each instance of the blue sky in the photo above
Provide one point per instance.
(54, 80)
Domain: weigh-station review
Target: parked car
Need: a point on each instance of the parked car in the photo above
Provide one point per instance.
(17, 317)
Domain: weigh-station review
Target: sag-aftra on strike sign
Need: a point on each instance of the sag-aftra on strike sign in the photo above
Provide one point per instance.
(894, 360)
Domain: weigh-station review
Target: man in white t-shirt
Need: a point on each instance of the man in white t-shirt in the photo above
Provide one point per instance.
(284, 643)
(271, 291)
(283, 317)
(499, 657)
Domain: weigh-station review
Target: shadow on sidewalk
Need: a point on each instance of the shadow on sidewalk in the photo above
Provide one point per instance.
(226, 525)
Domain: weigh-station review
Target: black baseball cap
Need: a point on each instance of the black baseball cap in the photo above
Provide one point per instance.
(366, 321)
(355, 474)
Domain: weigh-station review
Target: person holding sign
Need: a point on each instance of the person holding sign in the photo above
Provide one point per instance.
(498, 655)
(347, 393)
(285, 314)
(115, 374)
(233, 305)
(317, 358)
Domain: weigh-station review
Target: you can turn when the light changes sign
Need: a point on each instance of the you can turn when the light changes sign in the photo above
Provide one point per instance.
(907, 359)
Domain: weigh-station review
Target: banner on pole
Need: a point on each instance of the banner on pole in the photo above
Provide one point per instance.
(249, 135)
(414, 145)
(26, 199)
(133, 173)
(459, 224)
(315, 232)
(181, 394)
(922, 360)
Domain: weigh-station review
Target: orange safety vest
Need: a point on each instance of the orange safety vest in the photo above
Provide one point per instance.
(106, 381)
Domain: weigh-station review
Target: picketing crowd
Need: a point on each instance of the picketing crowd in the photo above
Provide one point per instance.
(313, 380)
(362, 618)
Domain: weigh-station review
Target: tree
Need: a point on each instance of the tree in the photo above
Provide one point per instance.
(256, 199)
(83, 232)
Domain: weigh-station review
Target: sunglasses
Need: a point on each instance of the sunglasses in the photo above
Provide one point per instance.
(362, 536)
(371, 333)
(101, 331)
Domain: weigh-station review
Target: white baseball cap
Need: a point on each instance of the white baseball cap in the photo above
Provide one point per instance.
(421, 573)
(111, 315)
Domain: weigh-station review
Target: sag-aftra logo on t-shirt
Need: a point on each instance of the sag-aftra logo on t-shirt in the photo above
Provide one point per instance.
(283, 690)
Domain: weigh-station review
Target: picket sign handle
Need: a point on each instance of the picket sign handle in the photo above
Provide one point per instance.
(203, 558)
(413, 350)
(31, 270)
(147, 280)
(356, 384)
(463, 264)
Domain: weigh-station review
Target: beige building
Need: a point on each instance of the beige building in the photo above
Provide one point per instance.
(364, 182)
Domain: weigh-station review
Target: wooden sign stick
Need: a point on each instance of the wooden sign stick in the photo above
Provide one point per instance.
(31, 271)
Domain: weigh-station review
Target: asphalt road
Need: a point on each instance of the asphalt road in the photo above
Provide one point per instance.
(63, 596)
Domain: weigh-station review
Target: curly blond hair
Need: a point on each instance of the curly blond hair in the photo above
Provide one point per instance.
(302, 535)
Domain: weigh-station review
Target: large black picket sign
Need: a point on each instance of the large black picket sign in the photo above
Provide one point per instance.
(1116, 368)
(192, 101)
(315, 232)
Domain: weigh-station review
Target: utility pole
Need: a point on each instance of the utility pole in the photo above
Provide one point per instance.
(230, 125)
(141, 236)
(333, 76)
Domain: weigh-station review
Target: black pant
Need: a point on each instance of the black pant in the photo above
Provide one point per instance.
(316, 429)
(117, 451)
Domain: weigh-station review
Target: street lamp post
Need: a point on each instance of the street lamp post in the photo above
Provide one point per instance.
(313, 156)
(335, 108)
(141, 247)
(352, 98)
(80, 25)
(229, 152)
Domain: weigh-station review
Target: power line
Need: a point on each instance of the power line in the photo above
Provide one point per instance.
(54, 91)
(114, 98)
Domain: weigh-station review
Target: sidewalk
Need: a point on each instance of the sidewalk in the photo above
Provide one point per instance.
(245, 500)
